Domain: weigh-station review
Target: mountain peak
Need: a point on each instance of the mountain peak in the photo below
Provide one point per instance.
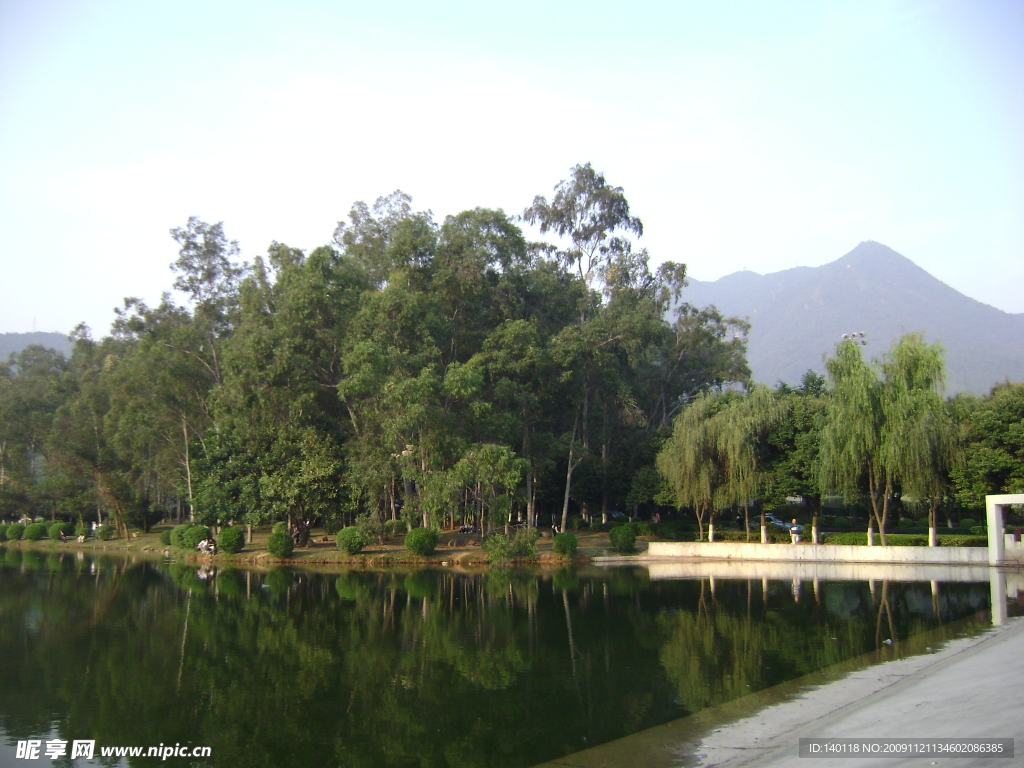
(797, 316)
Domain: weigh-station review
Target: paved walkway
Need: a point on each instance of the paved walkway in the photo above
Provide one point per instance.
(971, 688)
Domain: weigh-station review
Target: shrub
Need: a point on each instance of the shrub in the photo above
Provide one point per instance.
(421, 541)
(524, 544)
(676, 530)
(622, 538)
(67, 527)
(3, 533)
(565, 544)
(371, 526)
(177, 532)
(231, 540)
(332, 525)
(961, 540)
(35, 532)
(81, 530)
(497, 547)
(190, 538)
(56, 530)
(105, 532)
(967, 523)
(351, 540)
(280, 544)
(979, 530)
(281, 526)
(906, 523)
(15, 531)
(643, 528)
(394, 528)
(841, 522)
(576, 522)
(165, 537)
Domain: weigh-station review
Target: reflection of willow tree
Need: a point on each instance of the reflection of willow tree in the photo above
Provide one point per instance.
(717, 652)
(390, 669)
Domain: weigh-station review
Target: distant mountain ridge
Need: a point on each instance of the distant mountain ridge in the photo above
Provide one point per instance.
(15, 342)
(798, 315)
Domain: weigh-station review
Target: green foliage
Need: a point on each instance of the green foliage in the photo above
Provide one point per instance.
(105, 532)
(83, 530)
(906, 539)
(576, 522)
(35, 532)
(231, 540)
(56, 530)
(979, 530)
(3, 533)
(524, 544)
(421, 541)
(370, 526)
(966, 522)
(352, 540)
(280, 544)
(165, 537)
(565, 544)
(281, 526)
(622, 538)
(193, 535)
(15, 531)
(497, 547)
(395, 527)
(840, 522)
(177, 532)
(906, 522)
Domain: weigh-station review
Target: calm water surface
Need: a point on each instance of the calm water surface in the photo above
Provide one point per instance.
(427, 668)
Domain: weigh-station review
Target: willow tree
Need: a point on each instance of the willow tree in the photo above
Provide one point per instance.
(711, 459)
(740, 428)
(691, 461)
(883, 424)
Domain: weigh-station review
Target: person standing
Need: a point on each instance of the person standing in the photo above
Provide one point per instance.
(795, 530)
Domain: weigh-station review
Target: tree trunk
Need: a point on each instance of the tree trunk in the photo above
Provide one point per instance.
(933, 534)
(188, 470)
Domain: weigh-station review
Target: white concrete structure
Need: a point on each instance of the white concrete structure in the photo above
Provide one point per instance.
(994, 508)
(815, 553)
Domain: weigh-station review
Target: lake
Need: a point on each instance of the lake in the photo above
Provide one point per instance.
(417, 668)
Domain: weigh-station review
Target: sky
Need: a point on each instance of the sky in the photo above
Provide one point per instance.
(746, 135)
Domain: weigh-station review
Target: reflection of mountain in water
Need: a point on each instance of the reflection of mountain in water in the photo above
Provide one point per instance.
(503, 668)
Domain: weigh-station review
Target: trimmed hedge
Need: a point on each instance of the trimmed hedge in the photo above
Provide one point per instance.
(3, 533)
(352, 540)
(421, 541)
(967, 523)
(165, 537)
(35, 532)
(905, 539)
(622, 538)
(190, 539)
(82, 530)
(15, 531)
(231, 540)
(395, 528)
(177, 532)
(280, 544)
(565, 544)
(281, 526)
(56, 530)
(105, 532)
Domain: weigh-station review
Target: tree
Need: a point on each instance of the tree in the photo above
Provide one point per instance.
(885, 427)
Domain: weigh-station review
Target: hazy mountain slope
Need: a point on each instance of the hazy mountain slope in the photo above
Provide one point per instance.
(14, 342)
(798, 315)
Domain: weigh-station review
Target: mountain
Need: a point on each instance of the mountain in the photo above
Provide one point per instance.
(798, 315)
(15, 342)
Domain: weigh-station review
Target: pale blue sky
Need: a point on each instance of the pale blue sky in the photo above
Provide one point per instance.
(757, 135)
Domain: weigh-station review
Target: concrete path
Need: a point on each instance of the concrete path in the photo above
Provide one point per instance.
(971, 688)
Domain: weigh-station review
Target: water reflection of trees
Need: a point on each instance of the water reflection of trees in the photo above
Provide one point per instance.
(379, 669)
